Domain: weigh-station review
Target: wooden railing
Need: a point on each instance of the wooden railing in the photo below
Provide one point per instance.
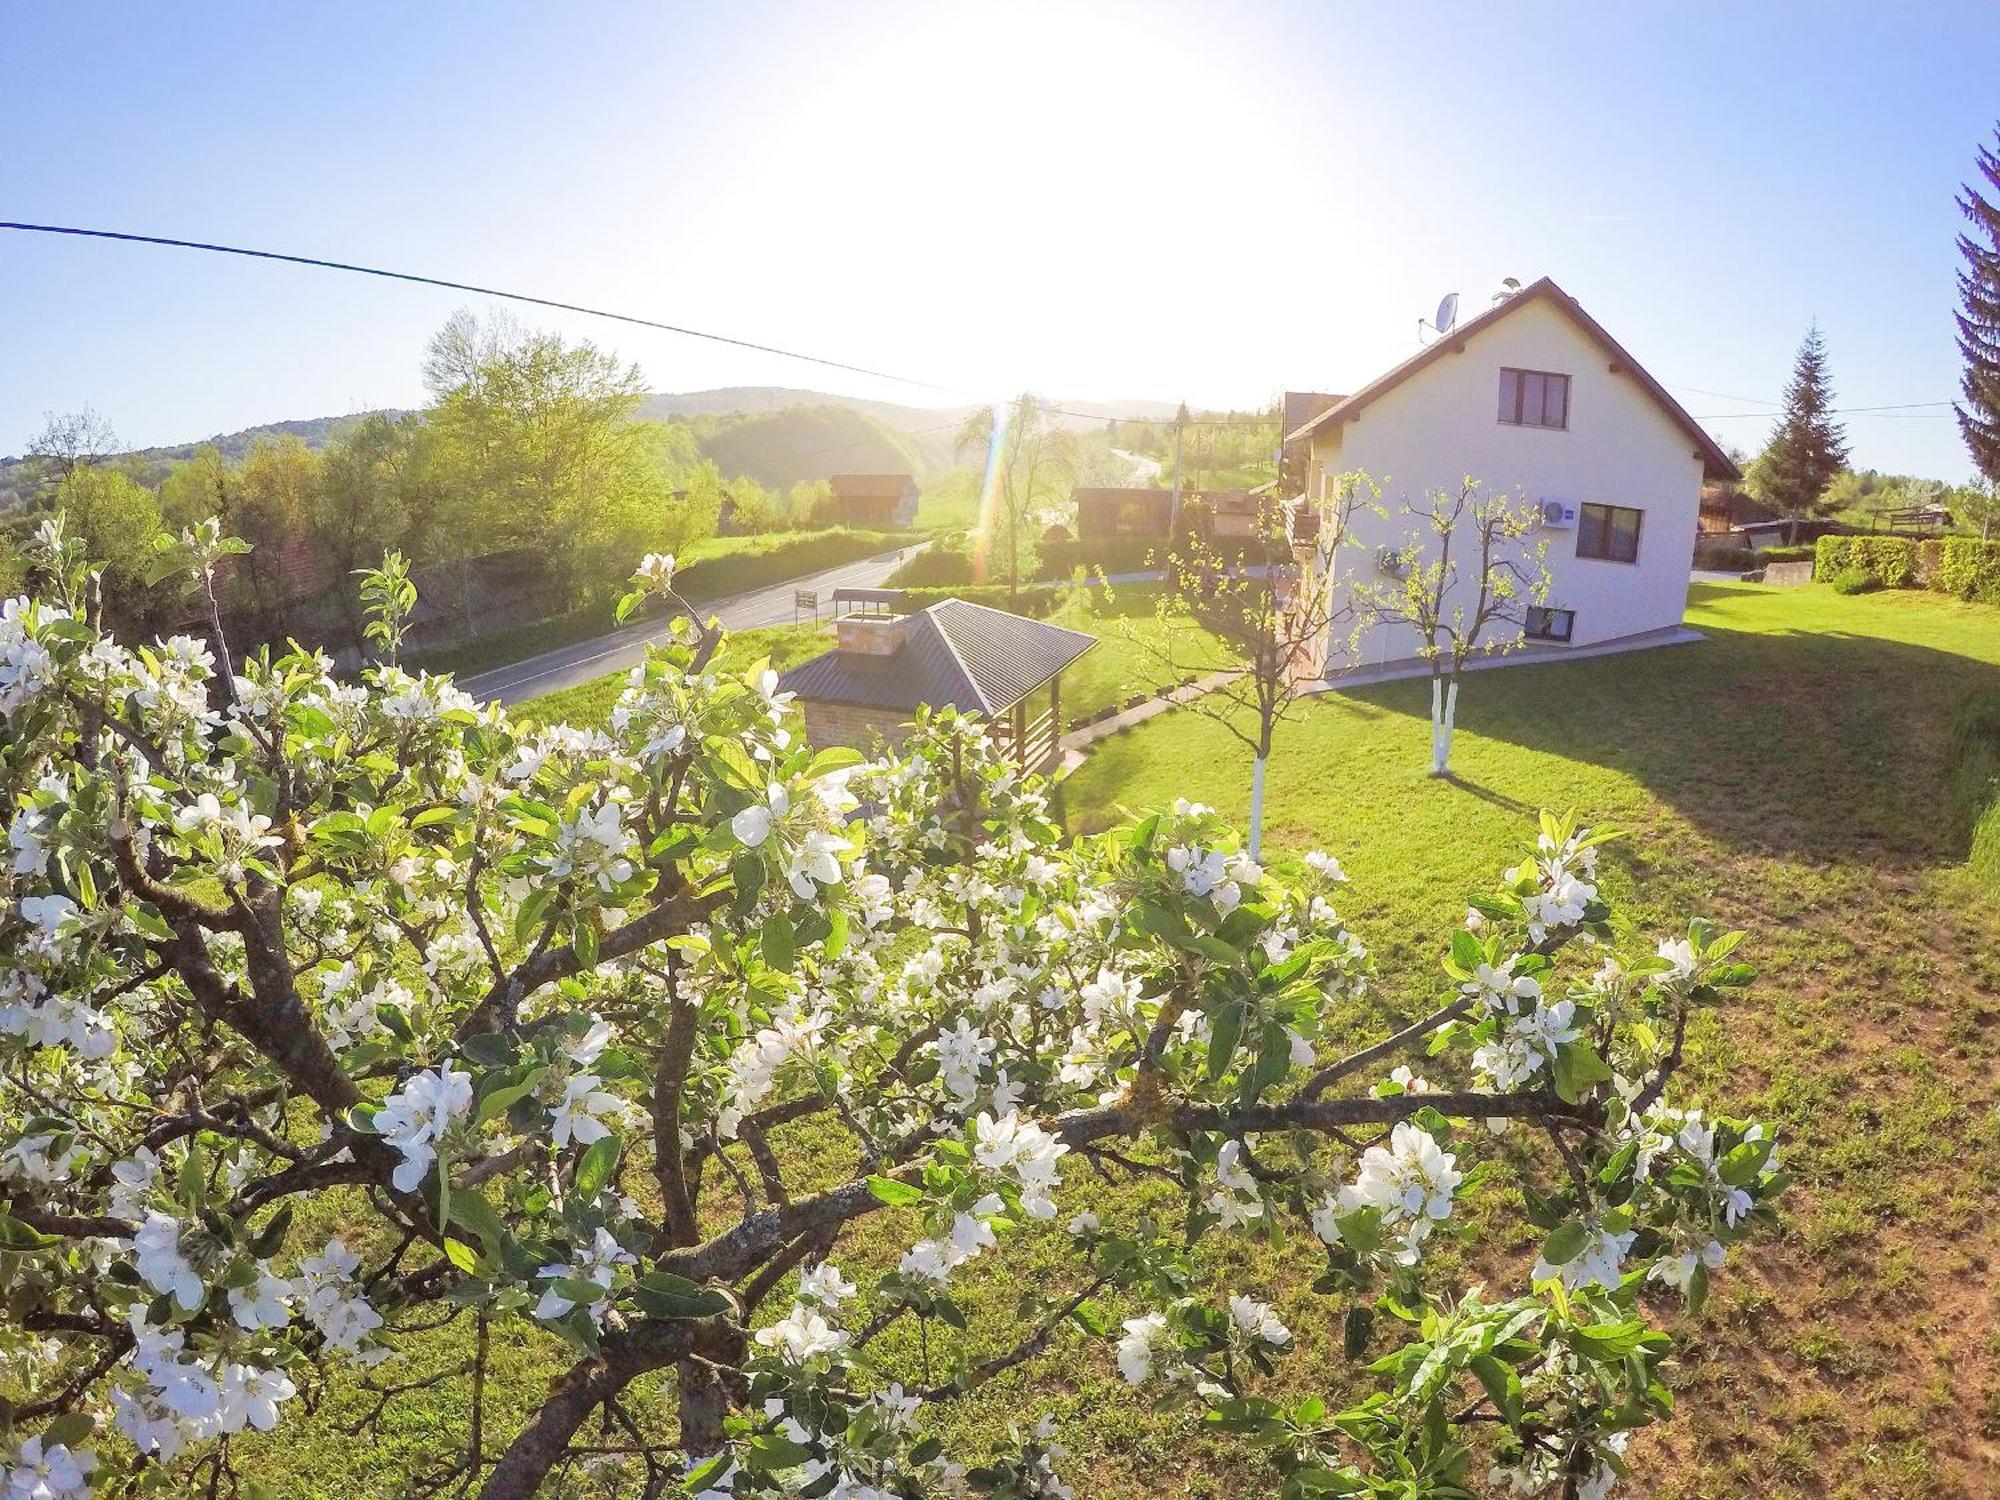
(1037, 744)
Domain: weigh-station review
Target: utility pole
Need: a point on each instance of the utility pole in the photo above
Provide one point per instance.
(1174, 511)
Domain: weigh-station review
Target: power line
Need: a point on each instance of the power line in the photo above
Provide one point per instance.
(482, 291)
(213, 248)
(1835, 411)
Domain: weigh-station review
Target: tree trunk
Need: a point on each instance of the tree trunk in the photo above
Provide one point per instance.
(1257, 807)
(1444, 719)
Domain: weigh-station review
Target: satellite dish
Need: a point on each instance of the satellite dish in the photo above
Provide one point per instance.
(1441, 324)
(1508, 286)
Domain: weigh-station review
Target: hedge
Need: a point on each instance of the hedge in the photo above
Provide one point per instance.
(1888, 562)
(1034, 599)
(1967, 568)
(777, 556)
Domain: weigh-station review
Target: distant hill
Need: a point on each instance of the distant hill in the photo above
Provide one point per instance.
(150, 463)
(776, 435)
(780, 448)
(730, 400)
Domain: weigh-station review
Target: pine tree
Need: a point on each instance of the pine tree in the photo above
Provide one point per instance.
(1808, 448)
(1979, 318)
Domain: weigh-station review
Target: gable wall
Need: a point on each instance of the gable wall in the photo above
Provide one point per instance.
(1619, 448)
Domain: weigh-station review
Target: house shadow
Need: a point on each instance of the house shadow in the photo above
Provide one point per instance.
(1802, 745)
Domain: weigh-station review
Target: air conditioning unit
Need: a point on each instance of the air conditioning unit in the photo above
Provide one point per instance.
(1558, 515)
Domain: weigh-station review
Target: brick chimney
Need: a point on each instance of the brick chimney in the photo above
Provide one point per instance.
(869, 635)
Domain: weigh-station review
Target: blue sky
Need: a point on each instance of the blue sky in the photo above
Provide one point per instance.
(1102, 201)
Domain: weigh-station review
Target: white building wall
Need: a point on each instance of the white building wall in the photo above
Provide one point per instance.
(1619, 448)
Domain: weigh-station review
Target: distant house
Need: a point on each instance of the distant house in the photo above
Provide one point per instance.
(1148, 512)
(1534, 398)
(875, 502)
(984, 662)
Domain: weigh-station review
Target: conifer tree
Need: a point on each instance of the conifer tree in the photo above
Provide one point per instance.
(1979, 317)
(1808, 448)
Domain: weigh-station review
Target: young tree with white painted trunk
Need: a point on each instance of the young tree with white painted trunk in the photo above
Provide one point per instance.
(1461, 579)
(599, 1044)
(1277, 622)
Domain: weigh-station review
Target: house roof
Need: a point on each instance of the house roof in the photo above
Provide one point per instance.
(869, 486)
(1715, 463)
(954, 654)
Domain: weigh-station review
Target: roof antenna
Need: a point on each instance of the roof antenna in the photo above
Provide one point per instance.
(1508, 286)
(1444, 320)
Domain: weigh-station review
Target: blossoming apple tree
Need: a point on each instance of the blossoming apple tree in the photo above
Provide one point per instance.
(612, 1037)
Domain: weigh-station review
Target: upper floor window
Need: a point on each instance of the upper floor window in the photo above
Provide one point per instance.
(1534, 398)
(1610, 532)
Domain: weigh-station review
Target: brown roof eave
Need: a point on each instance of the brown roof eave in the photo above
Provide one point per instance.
(1715, 463)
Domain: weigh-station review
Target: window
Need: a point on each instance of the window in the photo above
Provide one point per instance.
(1534, 398)
(1610, 532)
(1549, 624)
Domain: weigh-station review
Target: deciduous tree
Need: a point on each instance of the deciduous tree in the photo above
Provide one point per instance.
(1461, 579)
(356, 1008)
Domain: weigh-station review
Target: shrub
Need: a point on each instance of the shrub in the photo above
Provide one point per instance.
(1967, 568)
(776, 557)
(1034, 599)
(1853, 581)
(1805, 552)
(947, 561)
(1728, 556)
(1888, 562)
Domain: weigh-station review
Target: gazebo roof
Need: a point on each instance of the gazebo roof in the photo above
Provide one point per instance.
(954, 654)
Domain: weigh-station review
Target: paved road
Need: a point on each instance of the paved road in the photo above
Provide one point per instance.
(1144, 470)
(621, 649)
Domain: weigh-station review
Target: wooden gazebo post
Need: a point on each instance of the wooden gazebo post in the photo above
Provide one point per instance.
(1021, 732)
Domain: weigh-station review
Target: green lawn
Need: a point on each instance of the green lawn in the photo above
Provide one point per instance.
(714, 568)
(1125, 661)
(1784, 776)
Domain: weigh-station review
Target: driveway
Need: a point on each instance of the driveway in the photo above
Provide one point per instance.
(619, 650)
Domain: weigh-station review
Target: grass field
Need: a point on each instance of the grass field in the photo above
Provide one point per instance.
(1125, 661)
(1782, 776)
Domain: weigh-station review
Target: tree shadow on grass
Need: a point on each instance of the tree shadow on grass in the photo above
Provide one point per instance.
(1807, 745)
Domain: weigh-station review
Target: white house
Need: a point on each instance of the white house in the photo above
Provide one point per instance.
(1534, 398)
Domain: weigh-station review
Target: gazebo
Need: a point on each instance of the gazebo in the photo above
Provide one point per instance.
(886, 664)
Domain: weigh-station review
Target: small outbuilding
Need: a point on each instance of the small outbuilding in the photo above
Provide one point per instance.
(999, 667)
(875, 502)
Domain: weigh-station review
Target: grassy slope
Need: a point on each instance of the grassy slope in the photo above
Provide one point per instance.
(1783, 777)
(727, 565)
(1124, 662)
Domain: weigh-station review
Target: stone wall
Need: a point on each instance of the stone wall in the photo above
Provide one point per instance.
(829, 724)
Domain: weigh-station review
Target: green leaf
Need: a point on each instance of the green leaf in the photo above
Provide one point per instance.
(17, 1238)
(1355, 1334)
(1224, 1030)
(70, 1430)
(1566, 1244)
(895, 1194)
(777, 942)
(596, 1167)
(460, 1254)
(665, 1295)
